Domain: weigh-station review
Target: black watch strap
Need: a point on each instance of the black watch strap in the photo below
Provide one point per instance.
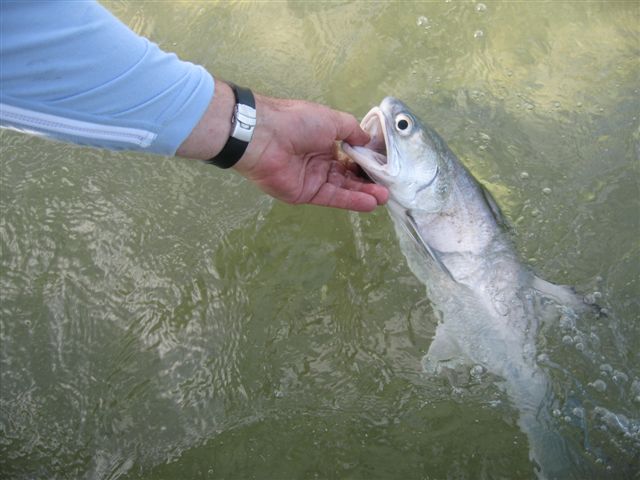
(242, 127)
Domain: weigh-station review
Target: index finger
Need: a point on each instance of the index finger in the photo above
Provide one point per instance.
(349, 129)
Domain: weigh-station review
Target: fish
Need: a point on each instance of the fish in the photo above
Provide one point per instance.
(490, 305)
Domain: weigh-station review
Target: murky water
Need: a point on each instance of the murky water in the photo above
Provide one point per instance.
(163, 319)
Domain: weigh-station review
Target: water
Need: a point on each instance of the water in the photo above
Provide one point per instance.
(163, 319)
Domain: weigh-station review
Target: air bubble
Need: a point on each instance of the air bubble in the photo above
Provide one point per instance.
(567, 340)
(619, 377)
(546, 190)
(567, 322)
(476, 371)
(524, 175)
(422, 21)
(478, 34)
(606, 368)
(599, 385)
(580, 347)
(556, 412)
(578, 412)
(481, 7)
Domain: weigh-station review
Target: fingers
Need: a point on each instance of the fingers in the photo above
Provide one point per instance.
(349, 129)
(336, 197)
(343, 190)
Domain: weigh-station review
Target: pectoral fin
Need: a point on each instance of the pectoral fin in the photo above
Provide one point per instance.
(443, 352)
(412, 229)
(493, 206)
(561, 294)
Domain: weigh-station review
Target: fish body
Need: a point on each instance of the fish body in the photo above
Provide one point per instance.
(453, 236)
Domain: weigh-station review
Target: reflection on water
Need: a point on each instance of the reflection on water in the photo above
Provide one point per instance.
(162, 319)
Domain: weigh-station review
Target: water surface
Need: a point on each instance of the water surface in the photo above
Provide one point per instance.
(164, 319)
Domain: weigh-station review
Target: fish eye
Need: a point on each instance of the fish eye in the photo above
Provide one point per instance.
(403, 124)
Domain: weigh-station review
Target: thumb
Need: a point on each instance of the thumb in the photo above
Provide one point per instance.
(349, 129)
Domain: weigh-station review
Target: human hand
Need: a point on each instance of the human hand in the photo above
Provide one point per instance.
(291, 156)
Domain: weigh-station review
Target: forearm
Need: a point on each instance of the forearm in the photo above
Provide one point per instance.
(82, 76)
(212, 131)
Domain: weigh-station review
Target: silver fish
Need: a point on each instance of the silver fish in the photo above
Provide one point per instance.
(453, 237)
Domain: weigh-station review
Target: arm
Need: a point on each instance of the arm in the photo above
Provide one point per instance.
(79, 75)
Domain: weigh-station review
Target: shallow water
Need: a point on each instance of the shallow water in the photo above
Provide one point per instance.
(163, 319)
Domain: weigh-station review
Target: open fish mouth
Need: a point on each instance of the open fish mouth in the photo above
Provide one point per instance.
(374, 124)
(373, 157)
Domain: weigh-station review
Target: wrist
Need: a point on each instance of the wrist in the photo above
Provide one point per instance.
(263, 134)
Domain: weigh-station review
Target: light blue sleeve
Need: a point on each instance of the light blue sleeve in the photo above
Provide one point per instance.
(72, 71)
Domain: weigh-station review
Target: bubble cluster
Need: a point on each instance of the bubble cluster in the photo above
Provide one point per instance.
(614, 421)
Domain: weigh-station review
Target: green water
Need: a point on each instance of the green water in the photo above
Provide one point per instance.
(162, 319)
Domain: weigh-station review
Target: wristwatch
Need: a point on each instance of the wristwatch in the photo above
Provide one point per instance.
(243, 123)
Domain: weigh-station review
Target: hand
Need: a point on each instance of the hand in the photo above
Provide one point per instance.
(291, 156)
